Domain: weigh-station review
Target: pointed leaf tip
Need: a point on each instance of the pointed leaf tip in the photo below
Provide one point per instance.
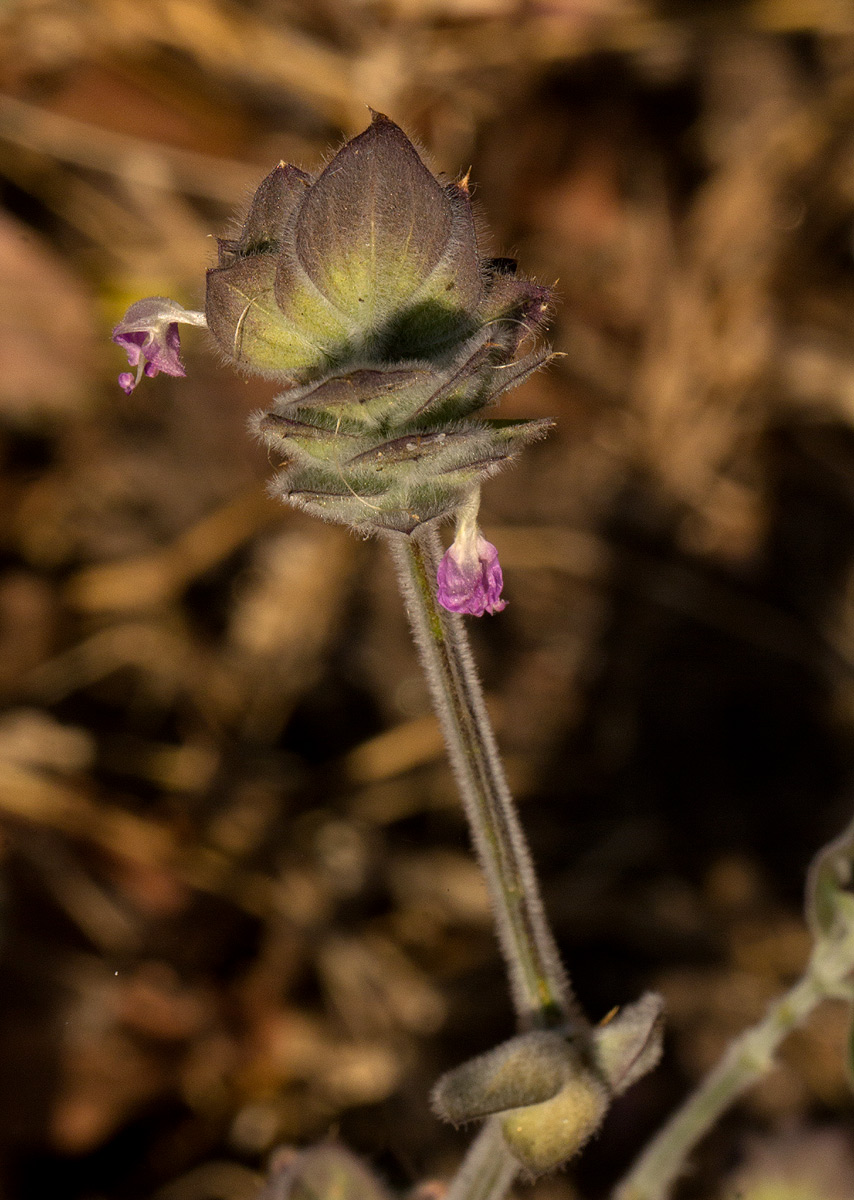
(628, 1042)
(374, 225)
(273, 204)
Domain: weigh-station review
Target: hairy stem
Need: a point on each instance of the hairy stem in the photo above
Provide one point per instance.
(488, 1169)
(539, 986)
(747, 1059)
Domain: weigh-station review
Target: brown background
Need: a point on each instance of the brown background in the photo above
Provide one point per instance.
(238, 908)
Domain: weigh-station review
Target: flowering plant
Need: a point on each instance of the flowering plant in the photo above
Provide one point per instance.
(363, 293)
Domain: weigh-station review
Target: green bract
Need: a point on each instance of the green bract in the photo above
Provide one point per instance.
(364, 293)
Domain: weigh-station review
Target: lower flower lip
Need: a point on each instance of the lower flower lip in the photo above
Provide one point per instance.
(148, 333)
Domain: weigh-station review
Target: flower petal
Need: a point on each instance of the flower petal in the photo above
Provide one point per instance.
(470, 578)
(148, 333)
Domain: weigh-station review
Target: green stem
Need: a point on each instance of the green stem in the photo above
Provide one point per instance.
(488, 1170)
(747, 1059)
(538, 984)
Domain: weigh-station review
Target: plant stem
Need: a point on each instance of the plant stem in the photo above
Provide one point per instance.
(539, 986)
(488, 1169)
(746, 1060)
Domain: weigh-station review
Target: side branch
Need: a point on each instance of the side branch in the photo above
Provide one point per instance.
(747, 1059)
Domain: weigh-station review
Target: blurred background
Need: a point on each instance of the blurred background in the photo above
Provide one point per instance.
(237, 906)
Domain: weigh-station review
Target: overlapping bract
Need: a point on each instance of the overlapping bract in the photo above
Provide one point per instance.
(363, 292)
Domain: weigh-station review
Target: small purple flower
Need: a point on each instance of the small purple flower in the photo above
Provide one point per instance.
(148, 333)
(469, 575)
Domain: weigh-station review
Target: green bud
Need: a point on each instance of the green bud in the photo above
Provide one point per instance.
(544, 1136)
(552, 1088)
(829, 894)
(551, 1099)
(362, 291)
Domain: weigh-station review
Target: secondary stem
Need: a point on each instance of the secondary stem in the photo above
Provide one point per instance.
(538, 983)
(747, 1059)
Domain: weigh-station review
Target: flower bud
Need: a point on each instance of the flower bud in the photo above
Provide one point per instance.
(544, 1136)
(362, 291)
(470, 577)
(549, 1097)
(552, 1088)
(830, 890)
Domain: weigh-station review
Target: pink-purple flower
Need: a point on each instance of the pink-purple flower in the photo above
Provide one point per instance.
(148, 333)
(469, 576)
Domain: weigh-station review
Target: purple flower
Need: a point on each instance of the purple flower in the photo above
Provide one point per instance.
(148, 333)
(469, 575)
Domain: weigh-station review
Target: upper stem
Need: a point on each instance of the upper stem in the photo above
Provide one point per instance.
(538, 983)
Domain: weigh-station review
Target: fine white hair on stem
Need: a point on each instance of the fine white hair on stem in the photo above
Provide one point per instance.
(488, 1169)
(538, 982)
